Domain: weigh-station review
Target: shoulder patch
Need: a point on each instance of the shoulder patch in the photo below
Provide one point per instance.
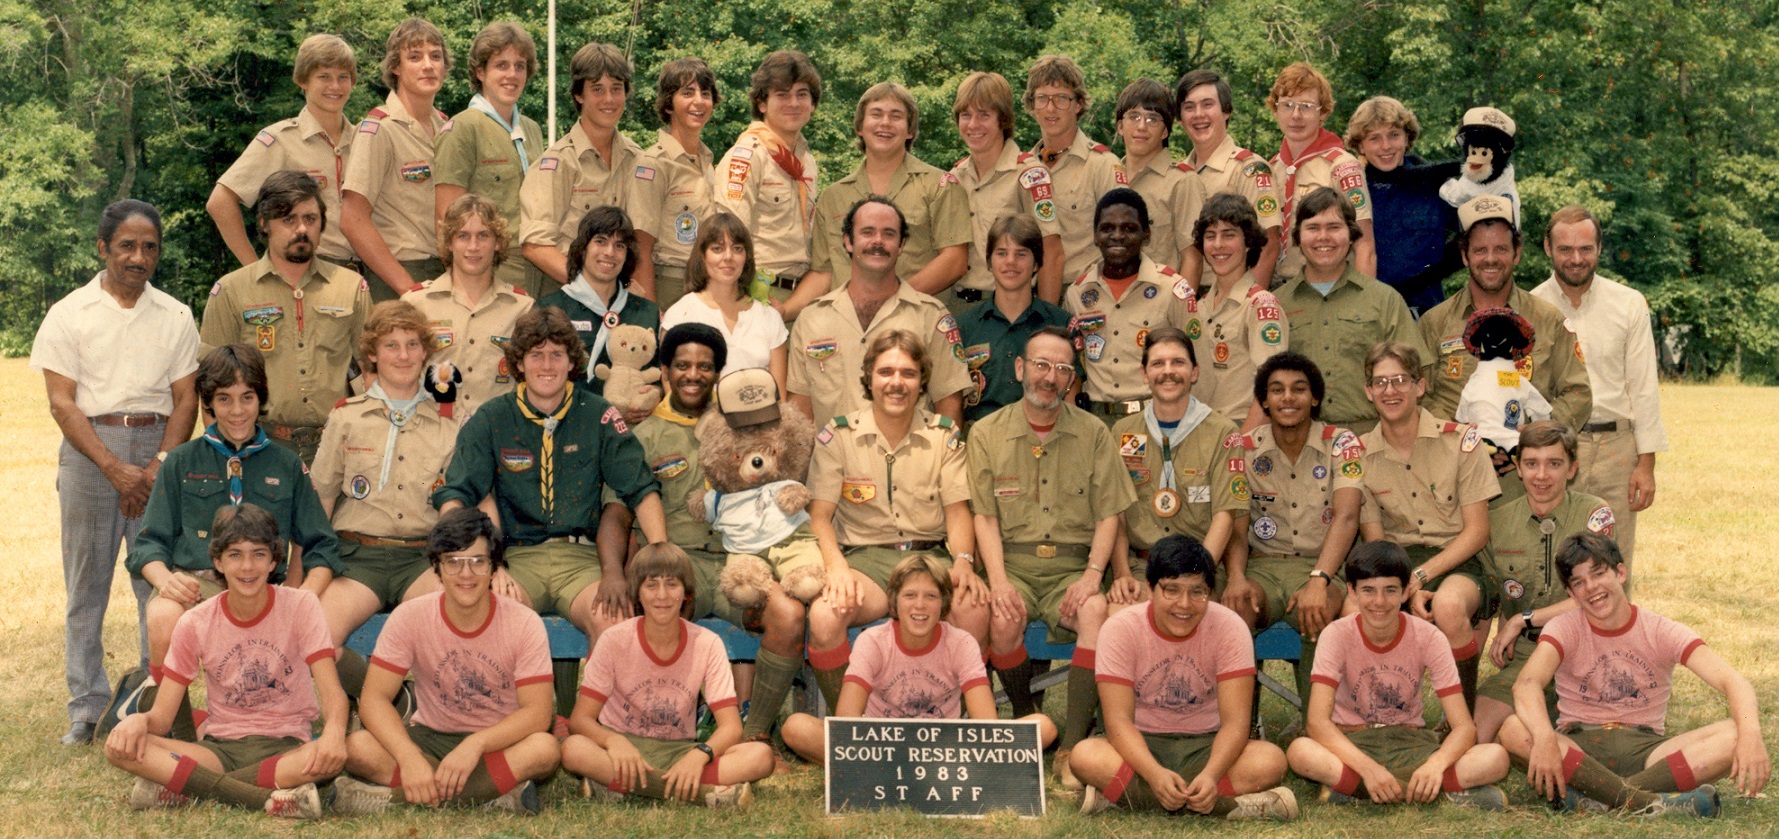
(742, 153)
(216, 288)
(548, 164)
(1601, 521)
(1183, 289)
(369, 127)
(644, 173)
(1471, 437)
(446, 128)
(265, 138)
(948, 178)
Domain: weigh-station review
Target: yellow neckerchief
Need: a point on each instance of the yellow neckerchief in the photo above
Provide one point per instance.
(546, 466)
(665, 411)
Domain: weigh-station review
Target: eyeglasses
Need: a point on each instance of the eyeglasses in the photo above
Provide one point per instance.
(477, 565)
(1060, 100)
(1300, 108)
(1141, 118)
(1045, 368)
(1197, 594)
(1400, 381)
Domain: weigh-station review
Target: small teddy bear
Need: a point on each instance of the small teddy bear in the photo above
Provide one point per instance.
(630, 383)
(1499, 397)
(1486, 138)
(755, 458)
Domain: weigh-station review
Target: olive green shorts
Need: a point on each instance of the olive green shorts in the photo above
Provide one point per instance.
(1279, 577)
(1625, 750)
(877, 562)
(251, 750)
(1400, 748)
(386, 570)
(553, 573)
(433, 743)
(1499, 687)
(707, 575)
(1185, 754)
(1471, 568)
(1042, 583)
(210, 584)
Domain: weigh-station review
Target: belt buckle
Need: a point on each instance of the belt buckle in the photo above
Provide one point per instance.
(902, 546)
(1130, 407)
(1045, 551)
(1377, 725)
(1612, 726)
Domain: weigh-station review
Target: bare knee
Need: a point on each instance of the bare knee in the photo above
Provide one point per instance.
(785, 620)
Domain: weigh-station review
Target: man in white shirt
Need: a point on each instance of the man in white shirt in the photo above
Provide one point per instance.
(119, 359)
(1618, 443)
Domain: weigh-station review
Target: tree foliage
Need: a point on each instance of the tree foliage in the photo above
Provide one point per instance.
(1656, 115)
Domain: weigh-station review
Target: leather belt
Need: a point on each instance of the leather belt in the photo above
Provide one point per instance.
(295, 433)
(1600, 427)
(1349, 729)
(1573, 727)
(912, 545)
(125, 420)
(380, 541)
(1117, 409)
(1045, 550)
(784, 280)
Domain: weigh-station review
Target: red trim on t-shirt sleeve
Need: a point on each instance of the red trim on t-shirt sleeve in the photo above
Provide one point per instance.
(720, 704)
(1320, 679)
(1235, 674)
(1546, 639)
(386, 665)
(1445, 692)
(592, 694)
(1688, 651)
(1102, 678)
(857, 680)
(979, 681)
(534, 680)
(324, 652)
(173, 676)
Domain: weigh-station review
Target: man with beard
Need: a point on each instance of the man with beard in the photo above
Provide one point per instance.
(1618, 444)
(301, 313)
(1046, 486)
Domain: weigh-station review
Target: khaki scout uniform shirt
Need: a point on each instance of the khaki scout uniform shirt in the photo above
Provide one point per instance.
(1174, 197)
(1420, 501)
(349, 464)
(308, 334)
(1293, 503)
(1338, 330)
(392, 167)
(1111, 333)
(1081, 174)
(1234, 169)
(299, 143)
(1053, 490)
(672, 195)
(475, 153)
(1556, 365)
(1522, 556)
(827, 348)
(1231, 335)
(1203, 476)
(931, 201)
(569, 179)
(1335, 168)
(1019, 184)
(671, 451)
(886, 495)
(764, 196)
(474, 338)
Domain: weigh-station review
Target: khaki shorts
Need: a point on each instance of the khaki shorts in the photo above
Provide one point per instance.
(798, 550)
(248, 751)
(708, 599)
(670, 284)
(1185, 754)
(1400, 748)
(877, 562)
(1042, 583)
(433, 743)
(1279, 577)
(553, 573)
(1471, 568)
(1624, 750)
(386, 570)
(1499, 687)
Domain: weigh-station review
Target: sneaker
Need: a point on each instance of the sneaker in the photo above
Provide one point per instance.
(1277, 804)
(599, 792)
(148, 795)
(519, 799)
(1485, 797)
(353, 797)
(1065, 775)
(1575, 802)
(725, 796)
(1093, 801)
(1328, 795)
(125, 700)
(302, 802)
(1701, 802)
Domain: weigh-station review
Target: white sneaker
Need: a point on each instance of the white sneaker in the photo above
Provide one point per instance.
(1485, 797)
(1094, 801)
(148, 795)
(353, 797)
(1277, 804)
(520, 799)
(724, 796)
(302, 802)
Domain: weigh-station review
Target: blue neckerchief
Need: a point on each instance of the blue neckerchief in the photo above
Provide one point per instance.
(259, 441)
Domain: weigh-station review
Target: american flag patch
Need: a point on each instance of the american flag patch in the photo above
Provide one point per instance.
(369, 127)
(644, 173)
(265, 138)
(548, 164)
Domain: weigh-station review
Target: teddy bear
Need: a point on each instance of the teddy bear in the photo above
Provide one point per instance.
(1499, 397)
(630, 383)
(1486, 139)
(755, 458)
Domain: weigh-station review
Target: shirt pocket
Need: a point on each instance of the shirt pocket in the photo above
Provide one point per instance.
(202, 498)
(1358, 334)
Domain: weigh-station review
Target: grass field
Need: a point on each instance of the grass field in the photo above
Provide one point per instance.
(1704, 557)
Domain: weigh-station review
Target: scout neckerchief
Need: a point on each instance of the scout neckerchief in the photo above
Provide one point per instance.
(1167, 499)
(665, 411)
(1323, 142)
(215, 439)
(514, 129)
(787, 159)
(399, 412)
(582, 289)
(546, 467)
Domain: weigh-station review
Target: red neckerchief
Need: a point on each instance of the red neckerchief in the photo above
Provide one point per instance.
(1323, 142)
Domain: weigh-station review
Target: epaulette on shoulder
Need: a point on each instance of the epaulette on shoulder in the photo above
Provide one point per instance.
(1248, 441)
(1451, 428)
(960, 163)
(1083, 277)
(1328, 432)
(1167, 271)
(1026, 157)
(943, 421)
(1331, 155)
(342, 402)
(519, 291)
(376, 113)
(1101, 148)
(1185, 167)
(840, 422)
(1243, 154)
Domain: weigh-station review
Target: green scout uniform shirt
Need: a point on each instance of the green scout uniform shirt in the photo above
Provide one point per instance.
(1174, 196)
(501, 451)
(672, 452)
(475, 153)
(194, 484)
(672, 196)
(1017, 184)
(931, 201)
(1522, 558)
(1110, 333)
(392, 167)
(1054, 491)
(1207, 475)
(881, 495)
(637, 311)
(1293, 503)
(308, 335)
(1556, 366)
(298, 143)
(991, 343)
(1338, 330)
(569, 179)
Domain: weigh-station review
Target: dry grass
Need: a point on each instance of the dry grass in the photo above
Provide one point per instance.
(1704, 558)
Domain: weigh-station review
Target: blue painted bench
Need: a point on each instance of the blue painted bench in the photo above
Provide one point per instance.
(567, 642)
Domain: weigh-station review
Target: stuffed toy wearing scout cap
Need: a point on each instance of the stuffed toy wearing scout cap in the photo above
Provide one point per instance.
(755, 456)
(1486, 140)
(1499, 397)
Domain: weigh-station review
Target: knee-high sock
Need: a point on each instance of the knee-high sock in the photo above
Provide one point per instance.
(1672, 774)
(1084, 699)
(194, 780)
(1467, 663)
(353, 667)
(1015, 670)
(830, 671)
(1591, 778)
(491, 779)
(772, 681)
(1306, 661)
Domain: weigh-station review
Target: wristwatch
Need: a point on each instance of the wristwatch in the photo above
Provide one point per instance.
(1527, 617)
(160, 456)
(967, 558)
(1421, 575)
(705, 748)
(1326, 577)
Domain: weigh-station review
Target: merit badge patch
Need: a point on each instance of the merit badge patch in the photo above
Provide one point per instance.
(1095, 347)
(361, 487)
(1142, 338)
(1265, 528)
(1220, 355)
(1454, 367)
(1319, 472)
(1327, 515)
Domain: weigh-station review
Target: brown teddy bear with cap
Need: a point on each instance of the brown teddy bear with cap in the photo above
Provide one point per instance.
(755, 458)
(630, 383)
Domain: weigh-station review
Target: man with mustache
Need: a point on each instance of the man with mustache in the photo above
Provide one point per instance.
(828, 340)
(303, 314)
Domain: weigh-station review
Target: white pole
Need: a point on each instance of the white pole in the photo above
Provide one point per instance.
(550, 96)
